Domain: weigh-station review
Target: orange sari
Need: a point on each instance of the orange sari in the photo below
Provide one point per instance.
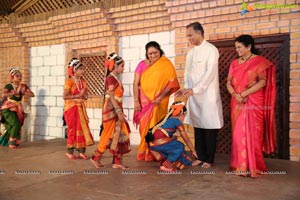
(154, 80)
(253, 123)
(79, 135)
(115, 134)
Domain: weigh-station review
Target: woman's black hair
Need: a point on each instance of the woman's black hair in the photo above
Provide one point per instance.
(154, 45)
(247, 40)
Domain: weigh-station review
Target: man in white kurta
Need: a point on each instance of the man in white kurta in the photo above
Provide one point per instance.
(201, 83)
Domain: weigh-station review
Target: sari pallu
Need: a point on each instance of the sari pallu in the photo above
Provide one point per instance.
(253, 123)
(154, 80)
(115, 134)
(79, 135)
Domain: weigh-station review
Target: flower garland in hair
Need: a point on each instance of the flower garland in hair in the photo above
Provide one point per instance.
(175, 109)
(73, 65)
(12, 72)
(110, 62)
(113, 59)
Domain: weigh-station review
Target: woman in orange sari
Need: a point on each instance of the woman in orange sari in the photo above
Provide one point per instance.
(12, 110)
(155, 80)
(75, 93)
(251, 82)
(115, 132)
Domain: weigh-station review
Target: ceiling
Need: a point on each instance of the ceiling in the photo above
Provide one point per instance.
(33, 7)
(23, 8)
(6, 6)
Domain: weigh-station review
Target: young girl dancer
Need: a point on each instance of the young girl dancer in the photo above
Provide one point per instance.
(115, 134)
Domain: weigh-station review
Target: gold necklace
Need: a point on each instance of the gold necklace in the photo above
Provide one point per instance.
(15, 86)
(245, 59)
(77, 82)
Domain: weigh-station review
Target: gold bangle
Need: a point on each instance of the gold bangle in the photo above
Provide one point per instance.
(118, 110)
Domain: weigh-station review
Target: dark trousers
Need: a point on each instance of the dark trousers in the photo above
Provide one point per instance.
(206, 144)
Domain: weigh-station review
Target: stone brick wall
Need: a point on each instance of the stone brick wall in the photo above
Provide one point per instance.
(47, 81)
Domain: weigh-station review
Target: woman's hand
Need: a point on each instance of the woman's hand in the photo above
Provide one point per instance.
(137, 106)
(157, 100)
(239, 98)
(178, 93)
(122, 116)
(185, 92)
(82, 93)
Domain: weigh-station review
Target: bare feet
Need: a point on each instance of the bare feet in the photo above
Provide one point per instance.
(12, 146)
(97, 164)
(71, 156)
(206, 165)
(119, 166)
(83, 156)
(165, 169)
(196, 162)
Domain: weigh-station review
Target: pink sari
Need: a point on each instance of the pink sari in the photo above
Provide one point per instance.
(253, 123)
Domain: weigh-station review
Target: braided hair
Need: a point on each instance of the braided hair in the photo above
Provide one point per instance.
(176, 109)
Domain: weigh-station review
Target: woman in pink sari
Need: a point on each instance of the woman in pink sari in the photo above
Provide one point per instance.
(251, 82)
(155, 80)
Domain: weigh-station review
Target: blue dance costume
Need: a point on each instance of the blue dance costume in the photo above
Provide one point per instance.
(171, 150)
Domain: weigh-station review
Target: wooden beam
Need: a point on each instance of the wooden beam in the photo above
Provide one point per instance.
(43, 6)
(75, 2)
(25, 13)
(34, 9)
(55, 4)
(24, 6)
(39, 8)
(30, 11)
(52, 5)
(61, 4)
(65, 3)
(85, 2)
(19, 3)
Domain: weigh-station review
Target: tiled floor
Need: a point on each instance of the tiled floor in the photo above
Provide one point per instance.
(41, 171)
